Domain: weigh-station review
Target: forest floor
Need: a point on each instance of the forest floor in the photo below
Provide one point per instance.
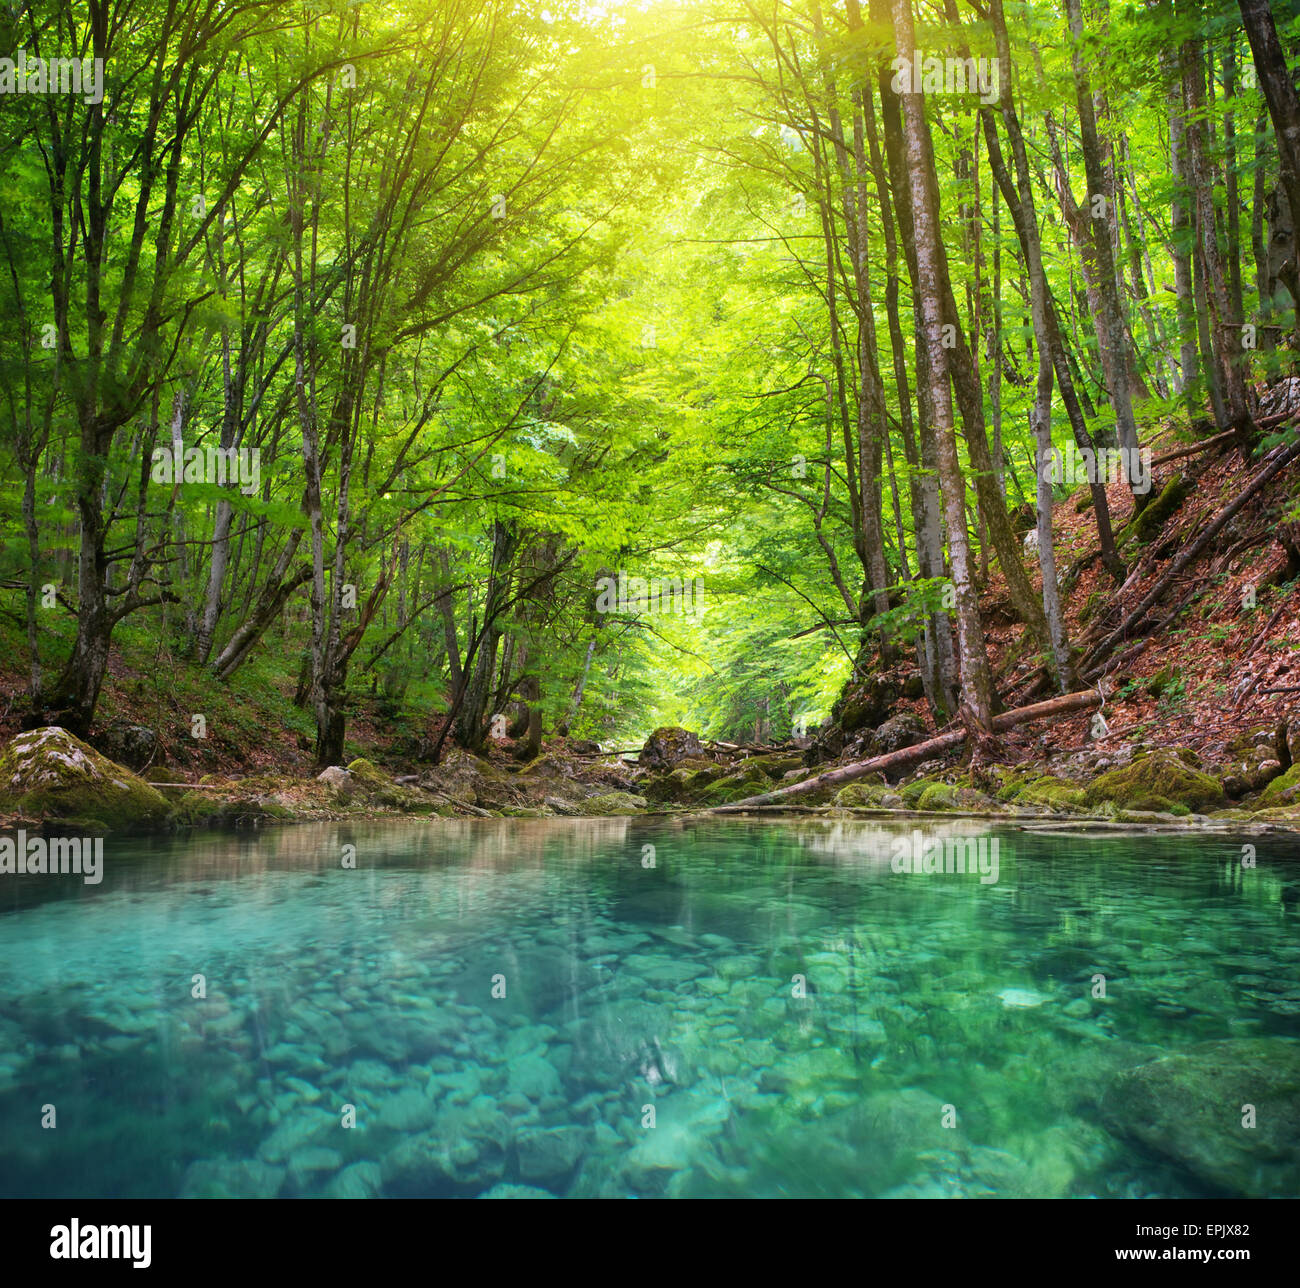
(1217, 677)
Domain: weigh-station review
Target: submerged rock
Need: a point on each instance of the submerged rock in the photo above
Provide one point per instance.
(1190, 1107)
(48, 773)
(549, 1154)
(466, 1151)
(360, 1181)
(1012, 998)
(231, 1178)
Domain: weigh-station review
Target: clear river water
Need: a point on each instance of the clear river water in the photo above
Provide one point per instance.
(628, 1007)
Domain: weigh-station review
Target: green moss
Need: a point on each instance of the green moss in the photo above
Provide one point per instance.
(1161, 681)
(161, 774)
(862, 795)
(1012, 784)
(913, 791)
(379, 789)
(196, 808)
(1281, 791)
(777, 764)
(613, 803)
(47, 773)
(736, 787)
(258, 783)
(1095, 602)
(1157, 512)
(1158, 781)
(1050, 792)
(364, 772)
(948, 796)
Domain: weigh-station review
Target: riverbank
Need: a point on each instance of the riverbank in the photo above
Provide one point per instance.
(48, 777)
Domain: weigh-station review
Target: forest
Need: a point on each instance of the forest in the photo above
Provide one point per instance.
(355, 349)
(649, 599)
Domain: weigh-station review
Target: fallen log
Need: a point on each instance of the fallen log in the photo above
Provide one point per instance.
(1284, 457)
(1204, 445)
(905, 756)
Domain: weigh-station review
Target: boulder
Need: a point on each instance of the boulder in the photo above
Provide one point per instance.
(1045, 792)
(948, 796)
(1282, 789)
(868, 705)
(668, 747)
(339, 781)
(48, 773)
(614, 803)
(1189, 1107)
(133, 745)
(1159, 781)
(862, 795)
(903, 730)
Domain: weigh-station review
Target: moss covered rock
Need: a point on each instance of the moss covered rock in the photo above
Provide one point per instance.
(776, 764)
(668, 747)
(866, 705)
(161, 774)
(612, 803)
(1158, 512)
(379, 789)
(736, 787)
(1047, 792)
(1159, 781)
(1283, 790)
(913, 791)
(863, 795)
(949, 796)
(48, 773)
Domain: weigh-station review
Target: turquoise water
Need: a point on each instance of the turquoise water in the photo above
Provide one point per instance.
(497, 1006)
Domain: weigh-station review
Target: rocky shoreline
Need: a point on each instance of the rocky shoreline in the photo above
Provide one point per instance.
(50, 778)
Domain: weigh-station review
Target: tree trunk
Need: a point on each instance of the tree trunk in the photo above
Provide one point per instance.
(977, 688)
